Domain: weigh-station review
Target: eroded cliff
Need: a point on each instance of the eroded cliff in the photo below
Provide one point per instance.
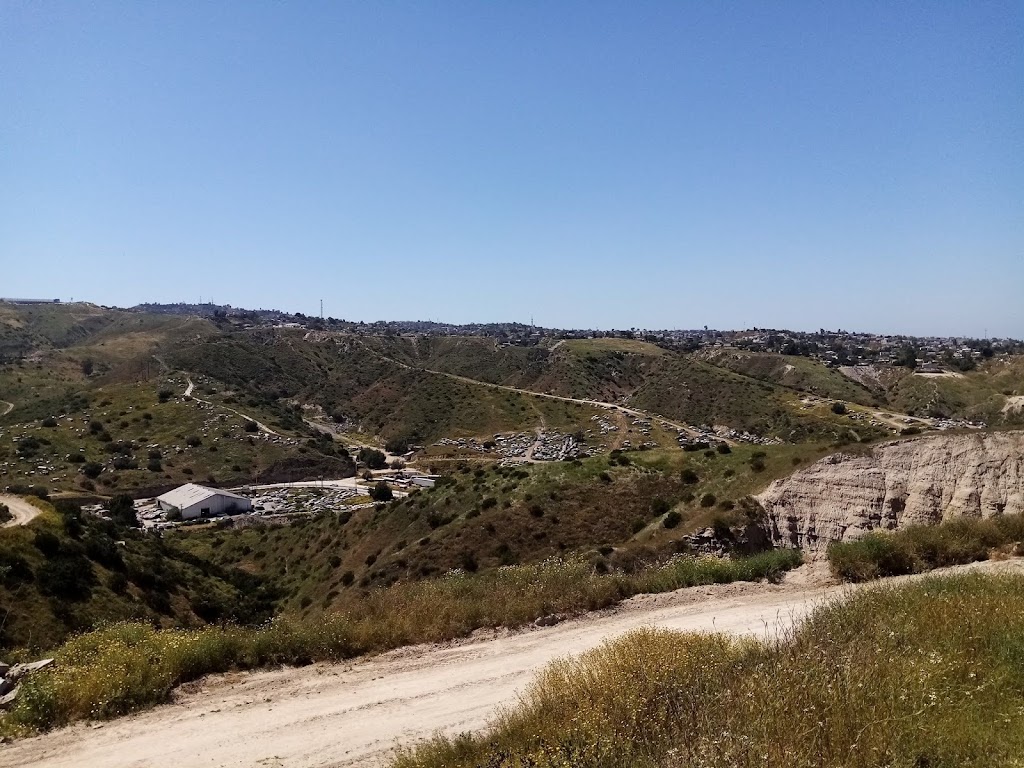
(925, 480)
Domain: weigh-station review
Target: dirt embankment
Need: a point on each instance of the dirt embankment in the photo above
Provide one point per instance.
(921, 481)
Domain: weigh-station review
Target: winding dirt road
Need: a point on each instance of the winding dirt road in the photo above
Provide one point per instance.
(6, 406)
(354, 714)
(23, 511)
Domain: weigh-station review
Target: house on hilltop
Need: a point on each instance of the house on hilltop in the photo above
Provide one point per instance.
(194, 501)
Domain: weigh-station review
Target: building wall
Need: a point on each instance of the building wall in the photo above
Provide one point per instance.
(216, 505)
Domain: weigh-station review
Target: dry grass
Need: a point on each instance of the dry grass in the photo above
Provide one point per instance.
(923, 547)
(127, 666)
(929, 674)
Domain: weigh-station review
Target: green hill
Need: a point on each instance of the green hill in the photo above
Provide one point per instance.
(66, 572)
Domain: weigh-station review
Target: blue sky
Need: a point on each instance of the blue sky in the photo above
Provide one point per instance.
(589, 164)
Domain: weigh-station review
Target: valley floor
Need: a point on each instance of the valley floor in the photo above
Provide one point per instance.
(354, 714)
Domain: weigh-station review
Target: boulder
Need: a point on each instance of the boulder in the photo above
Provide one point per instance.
(18, 671)
(8, 698)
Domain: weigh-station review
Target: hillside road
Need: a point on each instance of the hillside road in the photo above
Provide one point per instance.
(23, 511)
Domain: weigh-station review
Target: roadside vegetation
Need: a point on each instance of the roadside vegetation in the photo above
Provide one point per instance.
(128, 666)
(923, 674)
(924, 547)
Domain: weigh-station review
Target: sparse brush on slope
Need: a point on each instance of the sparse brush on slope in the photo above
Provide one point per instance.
(65, 572)
(928, 674)
(128, 666)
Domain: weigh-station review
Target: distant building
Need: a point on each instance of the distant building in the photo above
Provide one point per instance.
(194, 501)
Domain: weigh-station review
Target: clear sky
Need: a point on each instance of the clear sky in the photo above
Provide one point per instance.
(851, 165)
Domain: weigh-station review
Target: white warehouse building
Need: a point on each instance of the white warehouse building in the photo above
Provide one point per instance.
(199, 501)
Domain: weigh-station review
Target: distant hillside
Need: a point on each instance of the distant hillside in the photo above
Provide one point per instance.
(105, 413)
(798, 373)
(87, 385)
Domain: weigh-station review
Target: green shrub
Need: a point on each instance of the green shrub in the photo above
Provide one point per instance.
(689, 477)
(381, 492)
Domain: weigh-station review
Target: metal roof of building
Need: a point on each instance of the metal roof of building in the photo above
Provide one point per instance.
(190, 493)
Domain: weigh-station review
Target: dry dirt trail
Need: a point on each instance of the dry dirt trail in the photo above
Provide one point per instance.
(5, 407)
(354, 714)
(260, 425)
(23, 511)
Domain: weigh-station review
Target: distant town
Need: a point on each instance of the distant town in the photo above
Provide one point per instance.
(833, 348)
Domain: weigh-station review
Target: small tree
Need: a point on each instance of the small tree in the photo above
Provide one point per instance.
(397, 445)
(372, 458)
(122, 510)
(381, 492)
(839, 408)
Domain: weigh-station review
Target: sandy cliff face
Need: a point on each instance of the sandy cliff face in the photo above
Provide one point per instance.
(925, 480)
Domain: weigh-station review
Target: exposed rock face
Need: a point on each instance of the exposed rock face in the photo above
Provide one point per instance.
(910, 482)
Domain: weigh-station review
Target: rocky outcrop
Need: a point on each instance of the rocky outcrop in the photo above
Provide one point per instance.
(11, 677)
(909, 482)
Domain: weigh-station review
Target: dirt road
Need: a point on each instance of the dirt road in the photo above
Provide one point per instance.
(21, 509)
(5, 407)
(354, 714)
